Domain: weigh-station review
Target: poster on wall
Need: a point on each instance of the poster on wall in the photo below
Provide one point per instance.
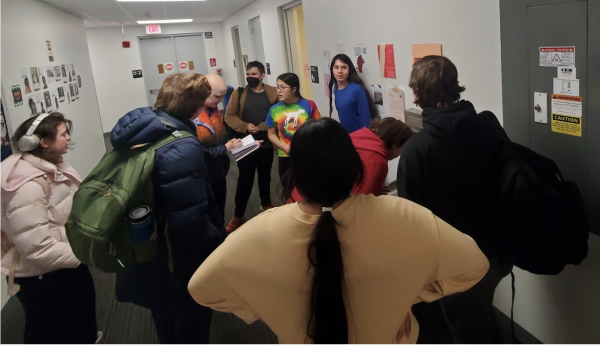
(68, 97)
(73, 70)
(387, 64)
(54, 99)
(76, 90)
(50, 74)
(378, 99)
(245, 58)
(69, 72)
(50, 54)
(326, 59)
(26, 78)
(419, 51)
(48, 101)
(63, 71)
(17, 95)
(314, 74)
(72, 92)
(61, 94)
(31, 105)
(43, 79)
(360, 54)
(35, 78)
(39, 103)
(57, 74)
(394, 103)
(326, 81)
(6, 150)
(79, 80)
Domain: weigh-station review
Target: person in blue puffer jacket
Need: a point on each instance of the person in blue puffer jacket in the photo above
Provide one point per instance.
(184, 205)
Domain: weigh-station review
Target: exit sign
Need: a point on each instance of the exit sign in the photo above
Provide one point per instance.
(153, 29)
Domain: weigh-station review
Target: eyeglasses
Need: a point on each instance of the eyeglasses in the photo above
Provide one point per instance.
(283, 87)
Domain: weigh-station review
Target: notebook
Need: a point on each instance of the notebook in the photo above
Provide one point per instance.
(249, 145)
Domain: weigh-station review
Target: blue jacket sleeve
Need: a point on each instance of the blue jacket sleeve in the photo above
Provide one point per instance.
(183, 198)
(216, 151)
(364, 112)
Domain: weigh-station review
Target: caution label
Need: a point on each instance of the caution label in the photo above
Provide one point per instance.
(570, 125)
(557, 56)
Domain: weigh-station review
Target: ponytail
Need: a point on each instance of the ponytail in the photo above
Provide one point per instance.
(328, 322)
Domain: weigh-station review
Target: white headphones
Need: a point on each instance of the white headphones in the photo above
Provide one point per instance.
(30, 141)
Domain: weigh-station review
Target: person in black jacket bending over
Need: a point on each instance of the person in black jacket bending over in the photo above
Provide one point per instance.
(450, 167)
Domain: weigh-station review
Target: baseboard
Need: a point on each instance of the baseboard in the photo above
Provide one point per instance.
(523, 337)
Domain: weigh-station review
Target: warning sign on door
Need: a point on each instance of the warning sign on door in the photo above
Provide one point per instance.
(567, 115)
(557, 56)
(169, 67)
(183, 66)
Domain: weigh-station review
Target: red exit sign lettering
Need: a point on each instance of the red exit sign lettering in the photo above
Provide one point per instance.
(153, 29)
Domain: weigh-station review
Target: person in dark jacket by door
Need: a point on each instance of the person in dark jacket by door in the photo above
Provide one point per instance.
(450, 167)
(184, 207)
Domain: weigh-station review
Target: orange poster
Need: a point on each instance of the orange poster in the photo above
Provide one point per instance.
(421, 50)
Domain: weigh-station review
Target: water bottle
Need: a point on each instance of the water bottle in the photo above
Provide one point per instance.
(142, 227)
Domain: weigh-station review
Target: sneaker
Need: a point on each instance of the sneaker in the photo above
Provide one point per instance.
(268, 207)
(99, 335)
(234, 224)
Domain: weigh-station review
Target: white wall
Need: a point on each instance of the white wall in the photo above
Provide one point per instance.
(561, 309)
(117, 91)
(3, 285)
(269, 21)
(24, 45)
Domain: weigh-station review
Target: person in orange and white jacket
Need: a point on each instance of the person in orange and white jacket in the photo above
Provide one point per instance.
(56, 291)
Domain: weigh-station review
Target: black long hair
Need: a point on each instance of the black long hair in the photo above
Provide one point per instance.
(292, 80)
(352, 78)
(324, 166)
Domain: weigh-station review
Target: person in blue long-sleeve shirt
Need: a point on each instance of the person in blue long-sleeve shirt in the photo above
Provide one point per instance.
(353, 102)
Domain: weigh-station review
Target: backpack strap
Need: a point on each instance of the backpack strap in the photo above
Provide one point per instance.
(240, 91)
(175, 135)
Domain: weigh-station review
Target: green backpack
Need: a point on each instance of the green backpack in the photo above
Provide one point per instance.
(99, 227)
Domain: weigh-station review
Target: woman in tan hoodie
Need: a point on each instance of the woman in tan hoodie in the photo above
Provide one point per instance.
(57, 293)
(337, 268)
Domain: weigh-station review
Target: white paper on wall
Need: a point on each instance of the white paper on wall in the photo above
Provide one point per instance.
(394, 103)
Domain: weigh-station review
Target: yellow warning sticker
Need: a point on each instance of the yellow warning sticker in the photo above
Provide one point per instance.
(565, 124)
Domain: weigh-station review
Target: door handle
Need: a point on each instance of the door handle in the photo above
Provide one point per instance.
(153, 91)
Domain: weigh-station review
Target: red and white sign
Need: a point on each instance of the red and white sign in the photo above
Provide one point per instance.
(557, 56)
(213, 62)
(153, 29)
(183, 66)
(169, 67)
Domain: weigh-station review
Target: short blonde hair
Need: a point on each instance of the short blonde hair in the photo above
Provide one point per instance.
(181, 95)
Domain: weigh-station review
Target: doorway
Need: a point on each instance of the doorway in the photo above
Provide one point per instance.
(238, 62)
(165, 55)
(256, 38)
(296, 47)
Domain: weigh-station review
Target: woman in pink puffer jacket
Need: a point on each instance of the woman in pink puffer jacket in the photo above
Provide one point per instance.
(56, 291)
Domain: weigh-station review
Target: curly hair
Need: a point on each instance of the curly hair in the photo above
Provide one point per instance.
(181, 95)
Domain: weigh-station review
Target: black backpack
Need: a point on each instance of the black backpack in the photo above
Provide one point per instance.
(542, 221)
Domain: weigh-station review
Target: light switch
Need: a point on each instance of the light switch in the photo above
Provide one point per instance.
(540, 107)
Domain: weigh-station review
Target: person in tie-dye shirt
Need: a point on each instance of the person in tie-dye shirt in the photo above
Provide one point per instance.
(287, 116)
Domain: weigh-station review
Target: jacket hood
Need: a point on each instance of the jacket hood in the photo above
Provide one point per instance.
(366, 141)
(21, 168)
(143, 125)
(457, 123)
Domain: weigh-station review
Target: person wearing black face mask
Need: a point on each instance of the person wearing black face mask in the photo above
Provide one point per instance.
(246, 114)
